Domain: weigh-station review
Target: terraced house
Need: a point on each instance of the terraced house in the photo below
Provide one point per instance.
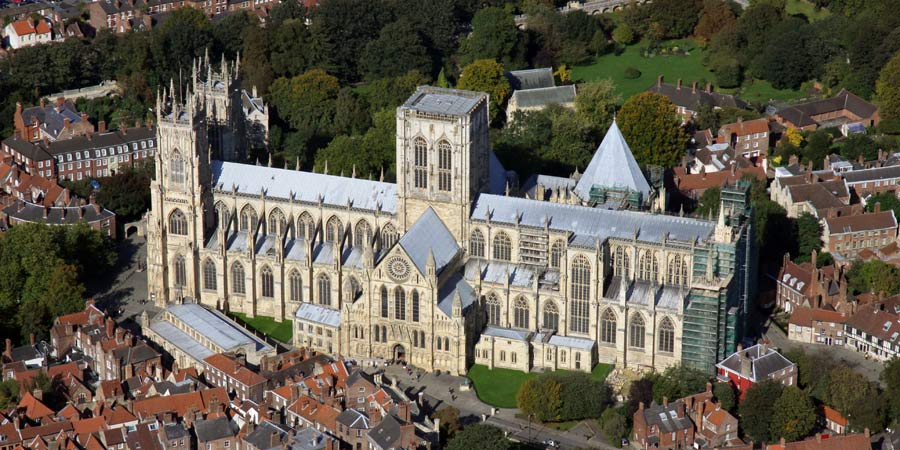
(442, 269)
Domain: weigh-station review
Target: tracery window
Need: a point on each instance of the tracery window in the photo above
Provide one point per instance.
(580, 294)
(415, 306)
(621, 263)
(276, 222)
(666, 336)
(551, 316)
(399, 304)
(444, 166)
(520, 313)
(178, 223)
(334, 230)
(363, 234)
(324, 285)
(176, 168)
(296, 286)
(389, 236)
(636, 331)
(248, 218)
(384, 302)
(180, 271)
(556, 254)
(649, 265)
(502, 247)
(492, 307)
(420, 162)
(237, 278)
(209, 275)
(268, 282)
(305, 226)
(677, 271)
(608, 327)
(476, 244)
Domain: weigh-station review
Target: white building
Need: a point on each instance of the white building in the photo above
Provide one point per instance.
(25, 33)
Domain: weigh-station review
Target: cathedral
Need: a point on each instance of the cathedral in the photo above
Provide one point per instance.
(446, 268)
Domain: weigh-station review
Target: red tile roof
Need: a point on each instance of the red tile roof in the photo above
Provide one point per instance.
(861, 222)
(747, 127)
(231, 368)
(34, 408)
(833, 415)
(24, 27)
(845, 442)
(805, 316)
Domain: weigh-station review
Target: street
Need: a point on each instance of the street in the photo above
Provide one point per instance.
(123, 290)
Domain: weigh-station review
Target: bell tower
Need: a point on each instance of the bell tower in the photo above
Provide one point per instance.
(442, 155)
(181, 200)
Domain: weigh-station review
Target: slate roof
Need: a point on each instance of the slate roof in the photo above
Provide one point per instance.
(836, 442)
(305, 186)
(319, 314)
(429, 235)
(594, 222)
(861, 222)
(539, 97)
(52, 115)
(214, 429)
(764, 362)
(352, 418)
(666, 417)
(876, 174)
(613, 166)
(217, 328)
(387, 434)
(308, 439)
(507, 333)
(455, 284)
(26, 352)
(448, 102)
(806, 316)
(689, 98)
(531, 78)
(56, 215)
(801, 115)
(572, 342)
(262, 437)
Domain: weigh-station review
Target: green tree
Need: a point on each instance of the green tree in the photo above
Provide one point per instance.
(449, 422)
(389, 93)
(623, 34)
(351, 113)
(886, 201)
(887, 89)
(652, 130)
(581, 396)
(257, 68)
(716, 15)
(9, 393)
(792, 35)
(818, 146)
(677, 382)
(494, 36)
(290, 49)
(596, 103)
(793, 415)
(724, 393)
(442, 80)
(639, 391)
(346, 27)
(185, 35)
(127, 193)
(286, 10)
(487, 75)
(398, 49)
(809, 236)
(708, 205)
(890, 377)
(613, 425)
(540, 397)
(308, 101)
(480, 436)
(228, 32)
(859, 145)
(873, 276)
(757, 408)
(677, 18)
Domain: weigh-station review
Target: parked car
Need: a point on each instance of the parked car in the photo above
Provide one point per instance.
(551, 443)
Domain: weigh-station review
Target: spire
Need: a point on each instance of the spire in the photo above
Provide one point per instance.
(270, 159)
(257, 160)
(381, 178)
(298, 163)
(353, 174)
(326, 167)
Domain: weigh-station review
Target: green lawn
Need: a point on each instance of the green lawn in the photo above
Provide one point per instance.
(807, 9)
(688, 68)
(283, 331)
(498, 387)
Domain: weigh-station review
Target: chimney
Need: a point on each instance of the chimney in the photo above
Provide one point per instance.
(708, 387)
(38, 394)
(665, 402)
(878, 207)
(46, 211)
(818, 437)
(110, 327)
(733, 168)
(31, 339)
(678, 84)
(42, 103)
(708, 87)
(659, 81)
(640, 404)
(814, 256)
(120, 332)
(101, 126)
(866, 432)
(694, 88)
(84, 118)
(8, 351)
(746, 365)
(67, 123)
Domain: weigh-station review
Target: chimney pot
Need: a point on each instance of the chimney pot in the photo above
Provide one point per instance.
(878, 207)
(665, 401)
(101, 126)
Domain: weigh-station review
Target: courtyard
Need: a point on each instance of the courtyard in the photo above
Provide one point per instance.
(498, 387)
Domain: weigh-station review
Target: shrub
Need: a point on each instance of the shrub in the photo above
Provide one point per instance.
(631, 73)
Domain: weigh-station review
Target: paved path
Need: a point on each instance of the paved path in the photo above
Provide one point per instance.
(124, 289)
(436, 394)
(843, 355)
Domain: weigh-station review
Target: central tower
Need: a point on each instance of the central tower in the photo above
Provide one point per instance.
(442, 155)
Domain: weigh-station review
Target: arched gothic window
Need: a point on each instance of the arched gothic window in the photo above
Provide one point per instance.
(384, 302)
(248, 218)
(447, 344)
(180, 271)
(551, 316)
(178, 223)
(324, 285)
(399, 303)
(636, 331)
(556, 254)
(666, 336)
(621, 263)
(268, 282)
(492, 307)
(209, 275)
(176, 168)
(296, 286)
(352, 290)
(476, 244)
(376, 334)
(608, 327)
(334, 231)
(520, 313)
(305, 226)
(502, 247)
(363, 234)
(415, 306)
(649, 266)
(223, 214)
(276, 222)
(237, 278)
(420, 163)
(389, 236)
(677, 270)
(444, 166)
(580, 294)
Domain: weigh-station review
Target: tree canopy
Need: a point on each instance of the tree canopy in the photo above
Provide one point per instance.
(487, 75)
(757, 408)
(479, 436)
(887, 89)
(653, 130)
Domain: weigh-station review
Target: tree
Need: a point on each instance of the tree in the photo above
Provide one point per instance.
(793, 415)
(351, 114)
(257, 69)
(792, 36)
(886, 201)
(613, 425)
(724, 393)
(487, 75)
(757, 408)
(127, 192)
(887, 89)
(479, 436)
(185, 35)
(389, 93)
(449, 417)
(540, 397)
(286, 10)
(228, 33)
(442, 80)
(679, 382)
(639, 391)
(677, 18)
(708, 205)
(290, 49)
(623, 34)
(652, 130)
(581, 397)
(596, 102)
(308, 101)
(818, 146)
(793, 137)
(873, 276)
(347, 26)
(716, 15)
(890, 376)
(494, 36)
(809, 236)
(398, 49)
(9, 393)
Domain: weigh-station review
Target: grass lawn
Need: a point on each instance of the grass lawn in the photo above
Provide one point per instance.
(280, 331)
(807, 9)
(498, 387)
(762, 91)
(689, 68)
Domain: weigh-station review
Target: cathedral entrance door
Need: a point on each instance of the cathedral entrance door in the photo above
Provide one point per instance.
(399, 352)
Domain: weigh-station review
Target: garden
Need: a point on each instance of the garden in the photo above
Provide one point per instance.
(498, 387)
(280, 331)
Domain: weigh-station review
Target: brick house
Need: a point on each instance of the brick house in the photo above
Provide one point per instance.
(817, 326)
(666, 426)
(53, 121)
(846, 236)
(845, 107)
(216, 434)
(353, 428)
(686, 99)
(96, 216)
(805, 285)
(874, 180)
(231, 373)
(756, 364)
(820, 193)
(875, 329)
(750, 138)
(28, 33)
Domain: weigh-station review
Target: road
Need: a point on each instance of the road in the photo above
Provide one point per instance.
(435, 392)
(120, 293)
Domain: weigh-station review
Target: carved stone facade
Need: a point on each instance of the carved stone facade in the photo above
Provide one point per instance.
(438, 269)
